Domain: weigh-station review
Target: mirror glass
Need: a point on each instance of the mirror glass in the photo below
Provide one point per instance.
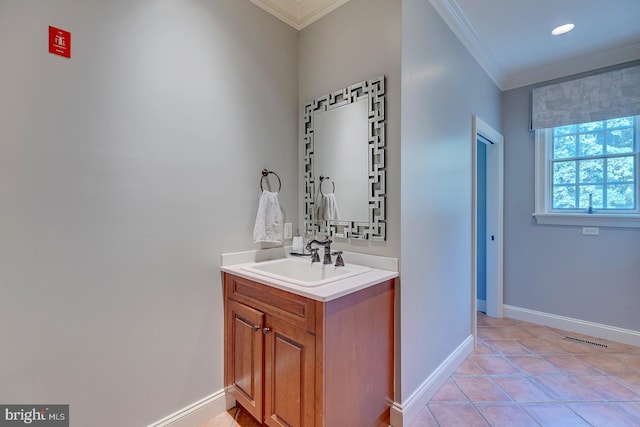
(344, 156)
(341, 155)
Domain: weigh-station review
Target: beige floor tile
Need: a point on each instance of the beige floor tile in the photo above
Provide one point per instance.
(600, 414)
(456, 415)
(481, 389)
(424, 419)
(631, 381)
(607, 364)
(608, 388)
(509, 347)
(483, 348)
(632, 408)
(632, 361)
(570, 364)
(223, 420)
(523, 389)
(514, 332)
(495, 365)
(565, 388)
(542, 346)
(491, 332)
(468, 368)
(506, 415)
(449, 392)
(554, 415)
(533, 365)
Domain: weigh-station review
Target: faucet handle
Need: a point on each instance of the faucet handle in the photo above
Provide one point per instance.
(339, 260)
(314, 255)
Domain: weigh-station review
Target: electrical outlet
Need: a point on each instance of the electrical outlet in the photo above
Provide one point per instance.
(591, 231)
(288, 230)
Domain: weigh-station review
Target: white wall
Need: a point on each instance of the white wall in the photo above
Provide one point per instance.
(442, 88)
(124, 173)
(555, 269)
(358, 41)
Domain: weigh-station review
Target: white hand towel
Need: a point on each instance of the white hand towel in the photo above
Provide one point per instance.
(268, 227)
(328, 208)
(331, 207)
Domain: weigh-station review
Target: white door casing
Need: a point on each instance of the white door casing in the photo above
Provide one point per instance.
(482, 132)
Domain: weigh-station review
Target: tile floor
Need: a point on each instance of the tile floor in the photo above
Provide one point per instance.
(523, 375)
(234, 417)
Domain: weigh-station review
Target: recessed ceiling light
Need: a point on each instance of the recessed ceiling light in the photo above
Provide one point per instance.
(562, 29)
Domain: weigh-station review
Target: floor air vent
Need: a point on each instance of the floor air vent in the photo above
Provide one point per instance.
(567, 337)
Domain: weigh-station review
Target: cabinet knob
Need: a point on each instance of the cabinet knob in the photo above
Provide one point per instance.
(256, 328)
(265, 330)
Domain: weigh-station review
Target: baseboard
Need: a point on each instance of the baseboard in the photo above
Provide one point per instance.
(481, 305)
(403, 414)
(598, 330)
(197, 413)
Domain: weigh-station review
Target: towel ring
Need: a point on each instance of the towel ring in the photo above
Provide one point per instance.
(266, 173)
(322, 178)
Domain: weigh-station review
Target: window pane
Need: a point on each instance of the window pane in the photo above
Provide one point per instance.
(596, 191)
(564, 172)
(591, 144)
(620, 122)
(590, 127)
(620, 169)
(620, 141)
(564, 146)
(564, 130)
(591, 171)
(564, 197)
(595, 164)
(620, 196)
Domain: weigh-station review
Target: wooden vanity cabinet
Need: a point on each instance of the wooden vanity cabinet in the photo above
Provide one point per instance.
(297, 362)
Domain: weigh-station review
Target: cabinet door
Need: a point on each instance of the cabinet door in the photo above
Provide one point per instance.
(244, 356)
(289, 375)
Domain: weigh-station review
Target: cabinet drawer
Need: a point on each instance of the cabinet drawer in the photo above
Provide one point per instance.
(297, 310)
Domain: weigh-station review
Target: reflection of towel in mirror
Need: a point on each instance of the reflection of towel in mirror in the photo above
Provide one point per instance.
(328, 208)
(268, 227)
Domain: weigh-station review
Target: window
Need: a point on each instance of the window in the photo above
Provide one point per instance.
(587, 174)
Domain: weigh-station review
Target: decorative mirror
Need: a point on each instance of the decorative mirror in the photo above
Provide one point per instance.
(344, 162)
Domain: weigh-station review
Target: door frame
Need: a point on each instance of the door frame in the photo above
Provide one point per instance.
(495, 198)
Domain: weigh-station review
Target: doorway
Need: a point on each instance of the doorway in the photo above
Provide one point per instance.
(487, 213)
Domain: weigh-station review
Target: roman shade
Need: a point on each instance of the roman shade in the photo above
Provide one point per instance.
(598, 97)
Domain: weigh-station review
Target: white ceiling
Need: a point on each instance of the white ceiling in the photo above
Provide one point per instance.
(511, 39)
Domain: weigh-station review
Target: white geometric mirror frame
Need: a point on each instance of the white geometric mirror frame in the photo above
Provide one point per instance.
(375, 228)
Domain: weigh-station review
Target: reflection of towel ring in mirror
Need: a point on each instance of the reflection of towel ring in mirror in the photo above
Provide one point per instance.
(266, 173)
(322, 178)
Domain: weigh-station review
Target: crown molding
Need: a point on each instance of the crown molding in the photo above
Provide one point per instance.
(571, 66)
(455, 18)
(298, 13)
(453, 15)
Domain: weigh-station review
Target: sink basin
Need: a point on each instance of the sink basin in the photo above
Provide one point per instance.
(303, 272)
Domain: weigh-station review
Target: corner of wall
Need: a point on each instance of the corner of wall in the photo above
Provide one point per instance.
(198, 412)
(403, 413)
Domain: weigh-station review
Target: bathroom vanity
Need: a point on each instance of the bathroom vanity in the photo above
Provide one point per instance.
(298, 355)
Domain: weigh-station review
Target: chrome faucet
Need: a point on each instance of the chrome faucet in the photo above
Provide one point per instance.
(326, 243)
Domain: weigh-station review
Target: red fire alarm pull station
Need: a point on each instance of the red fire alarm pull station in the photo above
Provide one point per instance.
(59, 42)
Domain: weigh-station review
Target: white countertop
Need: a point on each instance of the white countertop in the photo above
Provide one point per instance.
(327, 292)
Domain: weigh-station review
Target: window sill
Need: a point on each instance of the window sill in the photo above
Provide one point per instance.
(600, 220)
